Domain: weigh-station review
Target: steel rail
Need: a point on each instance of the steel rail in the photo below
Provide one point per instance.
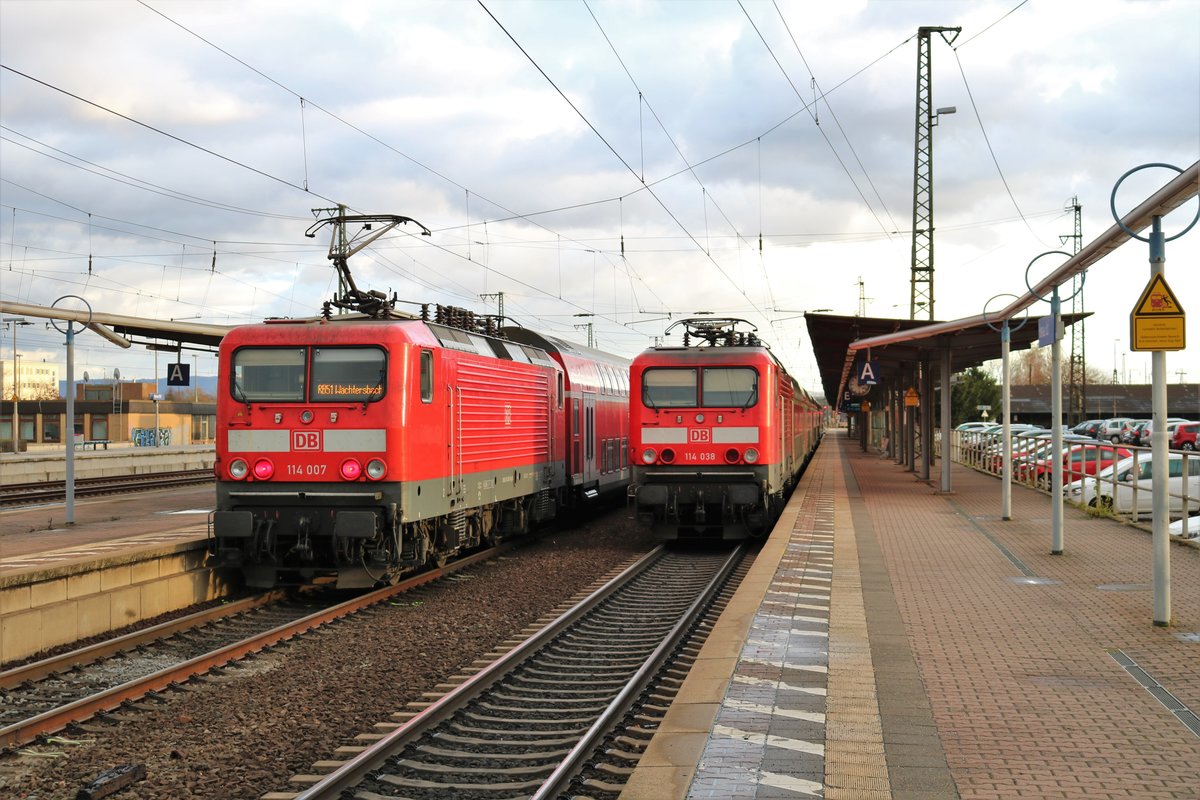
(29, 493)
(573, 762)
(27, 730)
(92, 653)
(356, 769)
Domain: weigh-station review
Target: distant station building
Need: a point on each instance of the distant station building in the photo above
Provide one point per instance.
(1032, 403)
(119, 412)
(34, 380)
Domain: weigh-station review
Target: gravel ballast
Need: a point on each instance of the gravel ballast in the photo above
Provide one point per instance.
(245, 732)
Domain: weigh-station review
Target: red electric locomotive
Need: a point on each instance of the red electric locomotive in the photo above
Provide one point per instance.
(720, 432)
(363, 446)
(359, 449)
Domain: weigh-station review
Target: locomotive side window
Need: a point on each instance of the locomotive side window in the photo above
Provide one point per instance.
(729, 386)
(669, 388)
(426, 376)
(348, 374)
(268, 374)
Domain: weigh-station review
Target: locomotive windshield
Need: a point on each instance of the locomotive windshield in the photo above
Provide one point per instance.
(719, 387)
(729, 386)
(338, 374)
(669, 388)
(268, 374)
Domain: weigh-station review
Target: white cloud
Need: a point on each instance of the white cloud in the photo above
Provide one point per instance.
(464, 132)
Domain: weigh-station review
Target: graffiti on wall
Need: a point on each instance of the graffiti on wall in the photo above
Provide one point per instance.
(144, 437)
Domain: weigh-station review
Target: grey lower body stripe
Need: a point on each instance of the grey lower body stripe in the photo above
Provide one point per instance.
(1172, 703)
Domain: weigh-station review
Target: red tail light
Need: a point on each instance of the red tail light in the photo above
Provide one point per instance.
(263, 469)
(351, 469)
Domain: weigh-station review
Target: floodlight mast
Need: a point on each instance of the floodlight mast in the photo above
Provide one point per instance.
(371, 302)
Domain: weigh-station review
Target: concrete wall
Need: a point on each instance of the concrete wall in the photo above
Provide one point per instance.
(51, 465)
(43, 609)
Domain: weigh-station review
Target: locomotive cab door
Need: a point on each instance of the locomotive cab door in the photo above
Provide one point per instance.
(452, 482)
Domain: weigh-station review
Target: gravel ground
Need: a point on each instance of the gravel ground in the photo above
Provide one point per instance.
(245, 733)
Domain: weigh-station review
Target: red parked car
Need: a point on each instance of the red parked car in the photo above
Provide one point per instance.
(1080, 460)
(1184, 437)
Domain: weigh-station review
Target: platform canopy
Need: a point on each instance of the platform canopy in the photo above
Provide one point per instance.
(832, 337)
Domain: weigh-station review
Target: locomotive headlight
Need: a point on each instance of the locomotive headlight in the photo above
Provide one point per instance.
(699, 418)
(376, 469)
(648, 456)
(306, 416)
(264, 469)
(351, 469)
(751, 455)
(238, 469)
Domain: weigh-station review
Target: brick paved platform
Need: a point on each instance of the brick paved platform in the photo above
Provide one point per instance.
(892, 641)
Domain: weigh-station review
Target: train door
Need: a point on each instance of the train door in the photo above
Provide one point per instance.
(589, 437)
(785, 452)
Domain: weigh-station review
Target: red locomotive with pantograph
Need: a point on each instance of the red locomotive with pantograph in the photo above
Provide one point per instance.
(720, 432)
(355, 448)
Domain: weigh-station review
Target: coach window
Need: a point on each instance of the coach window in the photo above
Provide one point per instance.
(560, 390)
(669, 388)
(268, 374)
(729, 386)
(426, 376)
(348, 374)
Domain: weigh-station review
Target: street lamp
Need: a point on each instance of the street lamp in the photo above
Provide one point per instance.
(16, 377)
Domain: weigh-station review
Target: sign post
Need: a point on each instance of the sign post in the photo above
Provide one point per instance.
(1050, 332)
(1157, 324)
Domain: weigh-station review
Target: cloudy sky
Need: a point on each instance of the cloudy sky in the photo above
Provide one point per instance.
(633, 161)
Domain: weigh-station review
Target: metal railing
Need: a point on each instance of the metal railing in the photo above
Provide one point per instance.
(1091, 483)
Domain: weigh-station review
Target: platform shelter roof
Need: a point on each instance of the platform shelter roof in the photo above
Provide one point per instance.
(969, 346)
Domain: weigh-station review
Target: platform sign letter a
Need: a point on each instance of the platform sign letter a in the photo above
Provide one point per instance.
(177, 374)
(868, 373)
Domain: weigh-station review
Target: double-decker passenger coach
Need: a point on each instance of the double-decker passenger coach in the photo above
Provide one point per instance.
(719, 433)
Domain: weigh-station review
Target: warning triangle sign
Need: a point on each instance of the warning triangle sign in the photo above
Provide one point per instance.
(1157, 298)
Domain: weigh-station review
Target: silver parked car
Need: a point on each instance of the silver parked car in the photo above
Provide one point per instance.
(1110, 429)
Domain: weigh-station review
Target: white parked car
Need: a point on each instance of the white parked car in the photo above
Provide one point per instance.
(1132, 490)
(1193, 527)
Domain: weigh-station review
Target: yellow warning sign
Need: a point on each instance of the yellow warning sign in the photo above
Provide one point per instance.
(1157, 321)
(1157, 298)
(911, 398)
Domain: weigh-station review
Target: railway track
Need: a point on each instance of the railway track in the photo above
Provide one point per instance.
(56, 491)
(44, 697)
(531, 723)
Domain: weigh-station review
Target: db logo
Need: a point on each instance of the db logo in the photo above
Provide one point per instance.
(699, 435)
(306, 440)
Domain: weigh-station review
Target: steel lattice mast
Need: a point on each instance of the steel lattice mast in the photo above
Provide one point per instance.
(1077, 369)
(922, 221)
